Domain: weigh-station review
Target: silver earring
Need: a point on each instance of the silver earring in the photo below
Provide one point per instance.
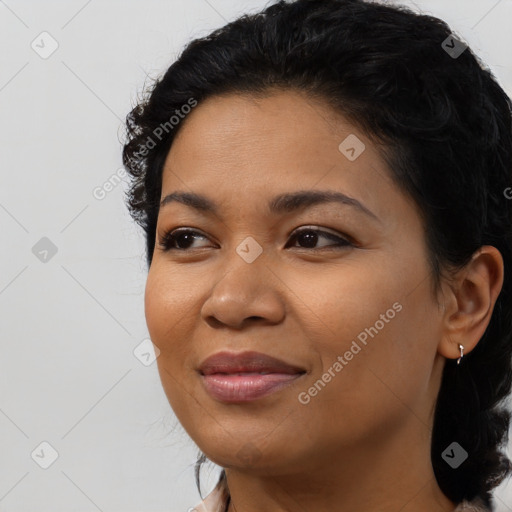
(461, 353)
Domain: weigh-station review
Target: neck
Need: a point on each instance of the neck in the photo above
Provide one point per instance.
(378, 477)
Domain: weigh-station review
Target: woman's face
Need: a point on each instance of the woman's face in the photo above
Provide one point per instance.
(348, 302)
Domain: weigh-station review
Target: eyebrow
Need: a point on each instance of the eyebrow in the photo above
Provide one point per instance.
(281, 204)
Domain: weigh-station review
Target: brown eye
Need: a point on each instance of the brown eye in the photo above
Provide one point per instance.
(308, 238)
(178, 238)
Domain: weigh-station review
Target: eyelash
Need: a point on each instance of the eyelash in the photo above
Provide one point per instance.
(169, 238)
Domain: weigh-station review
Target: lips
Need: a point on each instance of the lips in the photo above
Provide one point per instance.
(241, 378)
(246, 362)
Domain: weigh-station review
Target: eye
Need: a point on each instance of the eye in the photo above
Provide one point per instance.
(308, 237)
(182, 236)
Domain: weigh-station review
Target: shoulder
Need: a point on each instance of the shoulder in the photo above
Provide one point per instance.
(476, 505)
(214, 502)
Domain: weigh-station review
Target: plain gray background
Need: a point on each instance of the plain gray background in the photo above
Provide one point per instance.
(73, 266)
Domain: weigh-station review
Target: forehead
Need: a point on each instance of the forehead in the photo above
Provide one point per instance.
(237, 141)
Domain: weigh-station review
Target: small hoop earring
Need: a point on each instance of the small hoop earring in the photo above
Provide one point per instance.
(461, 353)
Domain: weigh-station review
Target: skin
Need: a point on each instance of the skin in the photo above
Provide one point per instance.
(362, 444)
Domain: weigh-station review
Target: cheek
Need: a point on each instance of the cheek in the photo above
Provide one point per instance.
(336, 305)
(386, 332)
(167, 303)
(169, 313)
(170, 310)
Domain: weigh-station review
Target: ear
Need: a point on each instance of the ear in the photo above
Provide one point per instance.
(469, 302)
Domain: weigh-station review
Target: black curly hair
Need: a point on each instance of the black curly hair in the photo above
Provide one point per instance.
(442, 124)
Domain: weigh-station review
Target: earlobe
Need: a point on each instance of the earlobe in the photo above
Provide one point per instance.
(470, 302)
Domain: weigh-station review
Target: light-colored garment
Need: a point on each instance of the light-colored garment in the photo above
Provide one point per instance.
(476, 505)
(213, 503)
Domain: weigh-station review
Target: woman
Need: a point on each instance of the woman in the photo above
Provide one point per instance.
(322, 188)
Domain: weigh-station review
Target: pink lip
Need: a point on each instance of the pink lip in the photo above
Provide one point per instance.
(232, 377)
(245, 387)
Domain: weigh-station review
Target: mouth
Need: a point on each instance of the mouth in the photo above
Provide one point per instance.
(246, 387)
(244, 377)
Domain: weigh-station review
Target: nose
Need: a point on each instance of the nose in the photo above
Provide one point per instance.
(246, 293)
